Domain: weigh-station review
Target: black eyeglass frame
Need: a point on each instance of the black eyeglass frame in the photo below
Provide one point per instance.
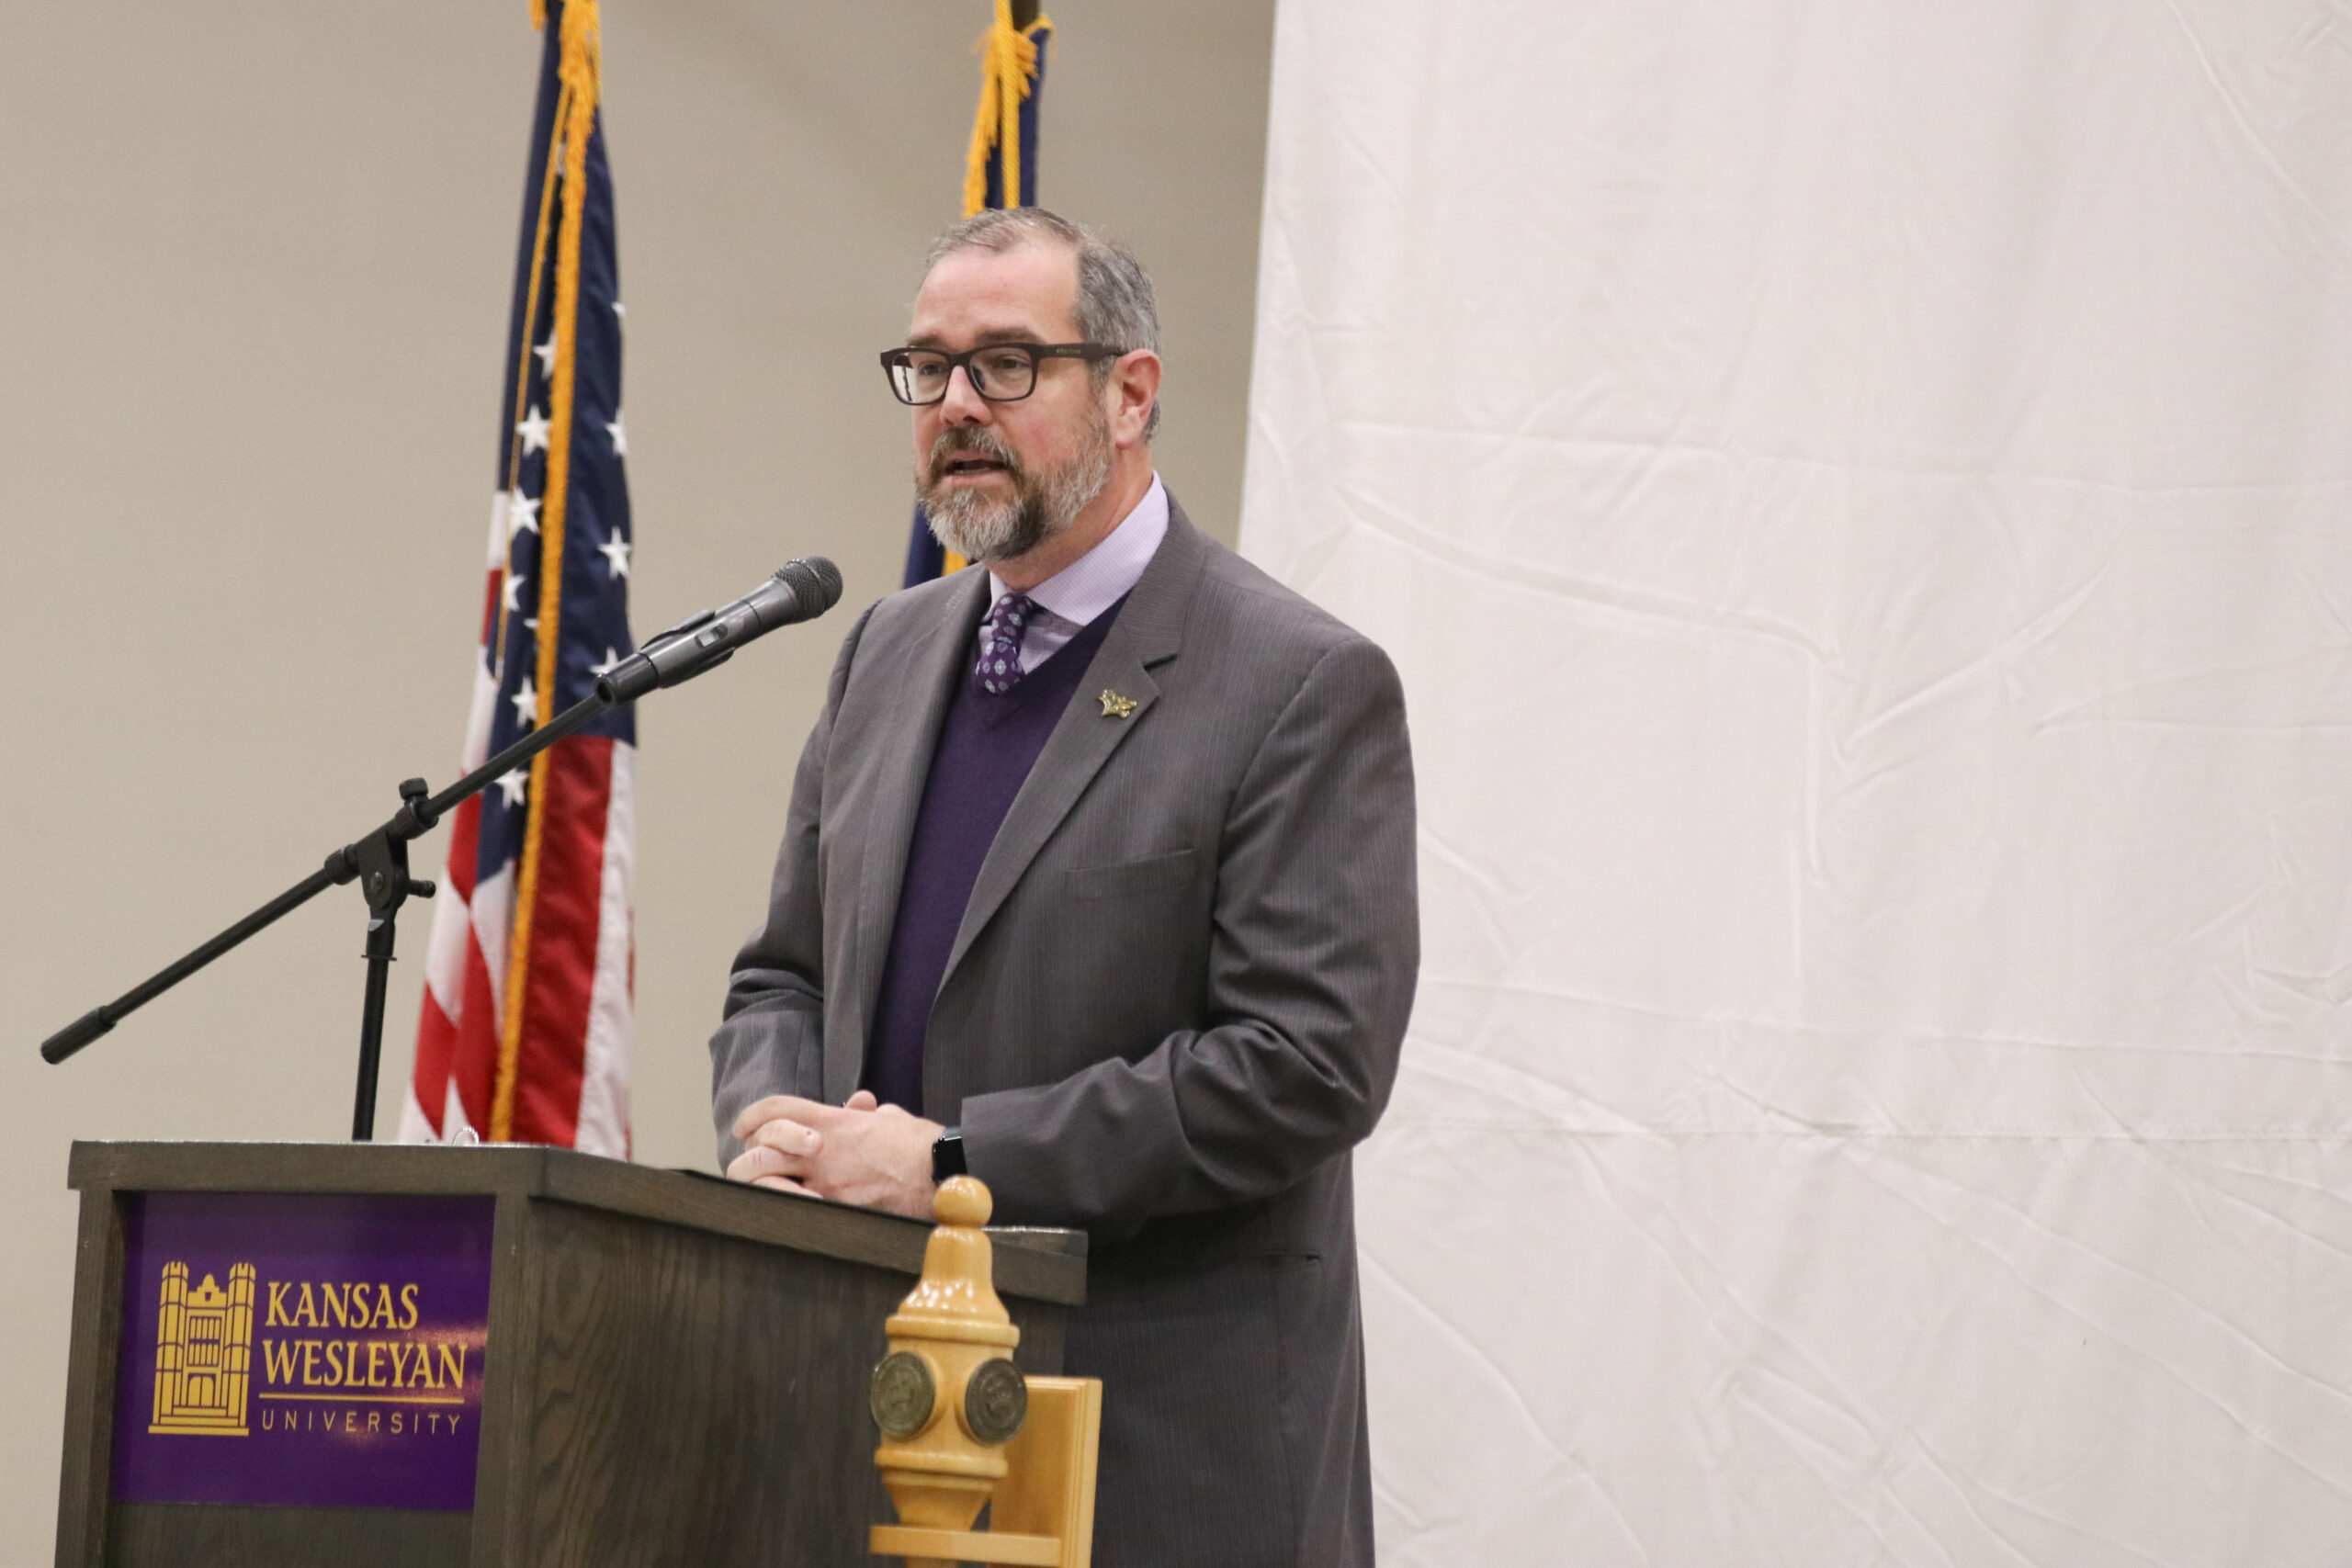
(893, 358)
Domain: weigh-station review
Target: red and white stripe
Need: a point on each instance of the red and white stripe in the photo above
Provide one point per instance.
(571, 1074)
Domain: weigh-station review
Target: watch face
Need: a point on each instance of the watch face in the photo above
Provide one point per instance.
(948, 1156)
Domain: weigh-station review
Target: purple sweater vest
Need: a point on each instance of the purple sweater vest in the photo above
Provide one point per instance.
(987, 746)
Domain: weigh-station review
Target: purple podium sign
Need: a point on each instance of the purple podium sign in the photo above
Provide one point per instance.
(302, 1349)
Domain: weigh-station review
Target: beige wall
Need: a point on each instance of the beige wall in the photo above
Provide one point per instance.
(254, 261)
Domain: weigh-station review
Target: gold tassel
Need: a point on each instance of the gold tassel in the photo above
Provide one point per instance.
(1008, 73)
(579, 68)
(1008, 64)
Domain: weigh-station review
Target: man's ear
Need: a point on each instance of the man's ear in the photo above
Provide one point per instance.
(1135, 390)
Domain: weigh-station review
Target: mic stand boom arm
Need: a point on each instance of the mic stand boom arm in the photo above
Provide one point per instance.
(801, 590)
(379, 863)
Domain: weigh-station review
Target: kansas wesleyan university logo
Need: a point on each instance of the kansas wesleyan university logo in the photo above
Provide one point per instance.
(205, 1366)
(204, 1353)
(339, 1340)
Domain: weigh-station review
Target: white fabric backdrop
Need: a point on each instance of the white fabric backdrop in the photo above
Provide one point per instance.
(1860, 493)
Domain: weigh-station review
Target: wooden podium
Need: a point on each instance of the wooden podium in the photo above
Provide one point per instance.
(357, 1354)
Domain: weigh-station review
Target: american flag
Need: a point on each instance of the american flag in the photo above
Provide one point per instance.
(523, 1034)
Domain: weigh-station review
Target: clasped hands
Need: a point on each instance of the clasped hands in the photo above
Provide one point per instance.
(866, 1153)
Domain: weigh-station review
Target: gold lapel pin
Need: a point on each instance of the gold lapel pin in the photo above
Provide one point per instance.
(1115, 705)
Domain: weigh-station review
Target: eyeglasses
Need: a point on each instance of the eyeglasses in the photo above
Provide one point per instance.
(1000, 372)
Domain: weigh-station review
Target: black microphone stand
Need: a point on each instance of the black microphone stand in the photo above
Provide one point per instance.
(379, 863)
(799, 591)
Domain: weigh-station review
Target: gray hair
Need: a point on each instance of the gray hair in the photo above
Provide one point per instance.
(1116, 306)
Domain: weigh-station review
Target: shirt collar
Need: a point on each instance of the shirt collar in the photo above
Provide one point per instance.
(1100, 578)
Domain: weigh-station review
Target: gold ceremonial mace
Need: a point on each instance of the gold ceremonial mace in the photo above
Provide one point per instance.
(961, 1426)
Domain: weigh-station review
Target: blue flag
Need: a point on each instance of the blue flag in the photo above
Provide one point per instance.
(1004, 141)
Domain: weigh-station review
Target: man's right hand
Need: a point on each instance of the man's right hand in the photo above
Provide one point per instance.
(777, 1147)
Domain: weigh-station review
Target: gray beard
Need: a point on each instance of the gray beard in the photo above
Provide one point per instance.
(1041, 507)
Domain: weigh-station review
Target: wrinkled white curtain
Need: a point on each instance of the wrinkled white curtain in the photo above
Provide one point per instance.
(1860, 494)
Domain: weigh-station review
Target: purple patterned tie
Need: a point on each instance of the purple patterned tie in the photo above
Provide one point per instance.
(1000, 642)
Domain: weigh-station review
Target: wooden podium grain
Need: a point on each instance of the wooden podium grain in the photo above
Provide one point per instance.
(676, 1372)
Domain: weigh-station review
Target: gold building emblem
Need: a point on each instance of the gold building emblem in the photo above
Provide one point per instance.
(204, 1351)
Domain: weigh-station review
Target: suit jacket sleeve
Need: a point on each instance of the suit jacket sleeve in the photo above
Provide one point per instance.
(772, 1036)
(1313, 958)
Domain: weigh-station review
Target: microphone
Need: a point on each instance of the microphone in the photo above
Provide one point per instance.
(800, 590)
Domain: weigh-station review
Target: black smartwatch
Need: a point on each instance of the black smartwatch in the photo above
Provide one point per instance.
(947, 1154)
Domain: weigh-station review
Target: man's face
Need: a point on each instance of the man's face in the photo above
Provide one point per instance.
(998, 480)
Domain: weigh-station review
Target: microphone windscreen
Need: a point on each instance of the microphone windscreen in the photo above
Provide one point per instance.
(815, 581)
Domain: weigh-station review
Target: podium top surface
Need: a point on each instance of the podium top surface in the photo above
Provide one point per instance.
(1044, 1265)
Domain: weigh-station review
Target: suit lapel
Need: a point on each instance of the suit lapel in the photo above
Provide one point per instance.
(934, 660)
(1149, 631)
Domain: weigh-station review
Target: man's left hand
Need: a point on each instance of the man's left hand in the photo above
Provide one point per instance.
(864, 1153)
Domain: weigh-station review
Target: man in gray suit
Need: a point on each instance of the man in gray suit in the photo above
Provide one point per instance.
(1098, 881)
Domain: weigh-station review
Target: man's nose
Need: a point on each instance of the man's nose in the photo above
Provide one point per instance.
(963, 404)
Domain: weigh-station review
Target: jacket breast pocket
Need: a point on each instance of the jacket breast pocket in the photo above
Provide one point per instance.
(1132, 878)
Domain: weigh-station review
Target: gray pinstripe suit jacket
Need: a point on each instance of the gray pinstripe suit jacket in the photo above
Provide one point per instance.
(1173, 1007)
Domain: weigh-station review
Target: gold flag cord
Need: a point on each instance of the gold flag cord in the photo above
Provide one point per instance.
(580, 69)
(1008, 66)
(1008, 76)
